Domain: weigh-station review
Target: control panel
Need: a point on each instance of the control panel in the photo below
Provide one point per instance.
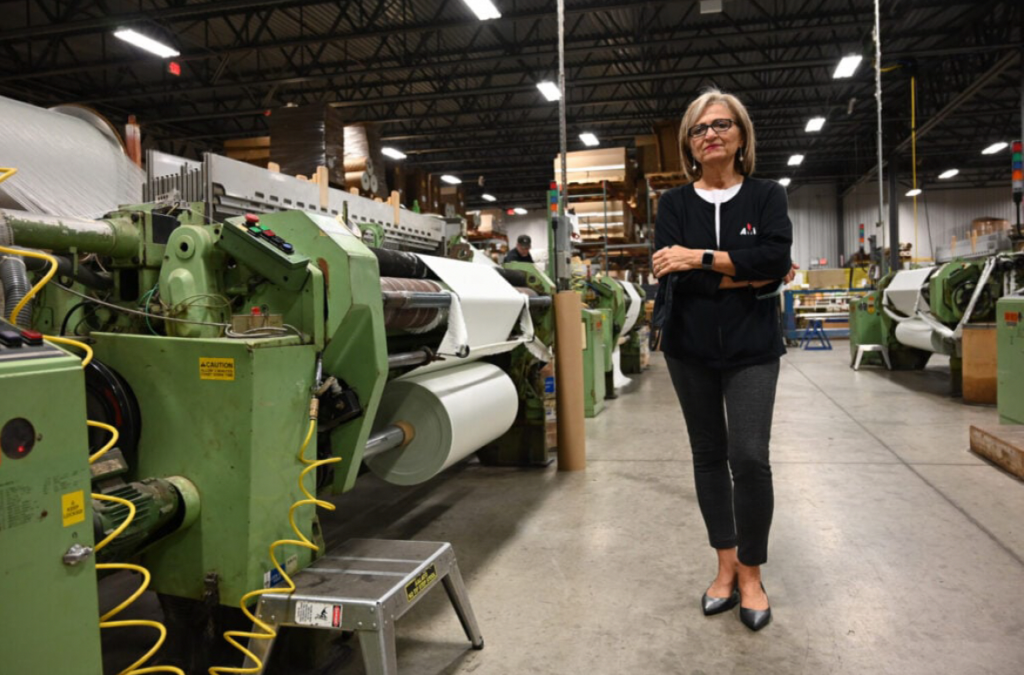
(17, 344)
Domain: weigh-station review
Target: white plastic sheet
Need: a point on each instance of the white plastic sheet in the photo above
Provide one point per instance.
(66, 166)
(635, 306)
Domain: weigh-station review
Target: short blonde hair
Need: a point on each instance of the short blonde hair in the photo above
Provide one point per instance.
(745, 165)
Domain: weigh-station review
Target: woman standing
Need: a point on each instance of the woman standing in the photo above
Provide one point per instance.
(722, 241)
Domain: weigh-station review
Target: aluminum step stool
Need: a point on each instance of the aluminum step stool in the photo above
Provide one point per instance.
(863, 349)
(366, 585)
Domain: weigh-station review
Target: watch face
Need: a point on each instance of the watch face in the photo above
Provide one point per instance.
(708, 259)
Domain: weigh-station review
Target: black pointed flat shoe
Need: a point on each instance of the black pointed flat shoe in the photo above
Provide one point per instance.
(756, 619)
(712, 606)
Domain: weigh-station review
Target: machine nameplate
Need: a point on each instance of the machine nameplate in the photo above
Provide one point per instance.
(317, 614)
(72, 506)
(216, 369)
(17, 505)
(421, 583)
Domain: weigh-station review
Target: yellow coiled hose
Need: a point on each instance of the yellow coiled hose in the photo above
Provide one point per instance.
(265, 631)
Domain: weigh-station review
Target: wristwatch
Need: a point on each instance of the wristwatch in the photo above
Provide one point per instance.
(708, 259)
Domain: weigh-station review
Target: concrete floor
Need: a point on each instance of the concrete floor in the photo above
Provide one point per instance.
(894, 549)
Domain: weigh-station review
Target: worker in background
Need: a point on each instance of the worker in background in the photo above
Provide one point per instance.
(723, 243)
(521, 253)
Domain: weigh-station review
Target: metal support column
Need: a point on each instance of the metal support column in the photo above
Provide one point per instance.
(840, 234)
(894, 217)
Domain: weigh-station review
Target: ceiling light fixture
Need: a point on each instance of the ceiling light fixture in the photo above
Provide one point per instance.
(994, 148)
(484, 9)
(915, 192)
(550, 90)
(489, 198)
(393, 153)
(520, 211)
(451, 180)
(949, 174)
(784, 182)
(589, 139)
(796, 160)
(815, 124)
(847, 66)
(147, 43)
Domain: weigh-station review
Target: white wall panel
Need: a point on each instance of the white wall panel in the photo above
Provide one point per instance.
(941, 214)
(812, 208)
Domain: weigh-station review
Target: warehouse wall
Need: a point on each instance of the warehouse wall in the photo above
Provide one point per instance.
(812, 208)
(941, 214)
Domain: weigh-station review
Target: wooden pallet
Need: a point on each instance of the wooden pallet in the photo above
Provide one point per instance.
(1002, 444)
(662, 181)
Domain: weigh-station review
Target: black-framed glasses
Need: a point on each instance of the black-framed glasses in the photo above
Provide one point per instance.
(720, 127)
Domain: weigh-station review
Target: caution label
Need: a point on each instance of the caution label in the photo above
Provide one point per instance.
(72, 507)
(317, 614)
(421, 583)
(216, 369)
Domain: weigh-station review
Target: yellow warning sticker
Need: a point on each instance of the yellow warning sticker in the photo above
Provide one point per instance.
(216, 369)
(73, 507)
(421, 583)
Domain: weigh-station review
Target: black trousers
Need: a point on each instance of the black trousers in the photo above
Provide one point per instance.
(729, 419)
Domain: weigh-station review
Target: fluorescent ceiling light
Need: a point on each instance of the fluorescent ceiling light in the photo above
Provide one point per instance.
(994, 148)
(784, 182)
(949, 174)
(710, 6)
(451, 180)
(490, 198)
(847, 66)
(550, 90)
(484, 9)
(915, 192)
(603, 167)
(796, 160)
(519, 211)
(147, 43)
(814, 124)
(392, 153)
(589, 139)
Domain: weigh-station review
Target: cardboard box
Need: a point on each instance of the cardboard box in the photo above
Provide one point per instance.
(667, 135)
(834, 278)
(592, 166)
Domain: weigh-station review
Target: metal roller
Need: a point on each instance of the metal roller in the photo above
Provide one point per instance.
(401, 312)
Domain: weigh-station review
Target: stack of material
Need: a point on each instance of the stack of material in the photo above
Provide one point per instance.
(595, 166)
(364, 163)
(417, 188)
(254, 150)
(594, 217)
(302, 139)
(667, 139)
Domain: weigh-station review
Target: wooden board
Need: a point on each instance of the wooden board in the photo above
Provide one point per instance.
(1002, 444)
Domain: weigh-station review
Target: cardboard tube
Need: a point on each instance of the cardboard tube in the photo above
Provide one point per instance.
(572, 438)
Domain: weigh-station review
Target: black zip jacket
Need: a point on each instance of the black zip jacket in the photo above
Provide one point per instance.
(725, 328)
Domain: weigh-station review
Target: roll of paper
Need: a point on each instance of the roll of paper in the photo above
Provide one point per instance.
(454, 413)
(635, 305)
(917, 334)
(902, 292)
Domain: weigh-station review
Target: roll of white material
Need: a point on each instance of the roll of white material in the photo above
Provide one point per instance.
(917, 334)
(902, 292)
(454, 413)
(69, 163)
(487, 310)
(635, 305)
(619, 379)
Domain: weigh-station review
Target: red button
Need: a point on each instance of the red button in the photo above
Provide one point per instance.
(268, 234)
(252, 218)
(32, 337)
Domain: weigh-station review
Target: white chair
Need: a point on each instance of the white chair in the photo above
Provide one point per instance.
(861, 349)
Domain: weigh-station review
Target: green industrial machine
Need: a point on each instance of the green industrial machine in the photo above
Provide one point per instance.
(636, 349)
(46, 515)
(1010, 355)
(595, 352)
(621, 320)
(917, 313)
(218, 345)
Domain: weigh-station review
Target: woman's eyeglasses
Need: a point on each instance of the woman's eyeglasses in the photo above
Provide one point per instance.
(720, 127)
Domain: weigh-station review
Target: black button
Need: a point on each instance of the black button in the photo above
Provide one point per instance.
(10, 338)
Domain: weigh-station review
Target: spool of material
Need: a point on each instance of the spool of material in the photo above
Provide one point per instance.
(633, 306)
(412, 320)
(70, 163)
(572, 439)
(918, 334)
(454, 412)
(902, 292)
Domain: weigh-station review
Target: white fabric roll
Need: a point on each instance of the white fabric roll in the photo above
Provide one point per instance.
(902, 292)
(915, 333)
(67, 166)
(633, 312)
(454, 413)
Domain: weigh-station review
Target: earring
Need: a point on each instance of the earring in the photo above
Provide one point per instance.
(739, 154)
